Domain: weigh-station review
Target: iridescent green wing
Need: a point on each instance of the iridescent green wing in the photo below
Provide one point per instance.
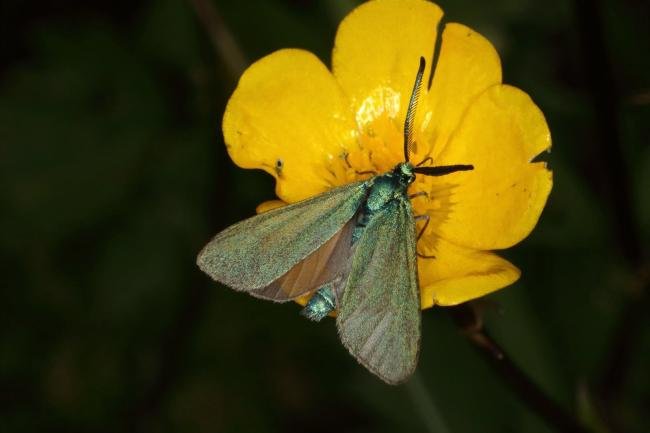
(379, 314)
(253, 254)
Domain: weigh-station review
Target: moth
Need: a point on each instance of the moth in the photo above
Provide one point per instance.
(353, 248)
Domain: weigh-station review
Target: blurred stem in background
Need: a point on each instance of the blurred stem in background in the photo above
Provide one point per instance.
(222, 40)
(139, 414)
(425, 405)
(615, 183)
(469, 321)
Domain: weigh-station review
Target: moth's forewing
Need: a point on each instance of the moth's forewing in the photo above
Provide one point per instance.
(254, 253)
(328, 264)
(379, 313)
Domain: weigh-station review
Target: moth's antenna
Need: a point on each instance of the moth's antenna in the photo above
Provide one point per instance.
(410, 113)
(441, 170)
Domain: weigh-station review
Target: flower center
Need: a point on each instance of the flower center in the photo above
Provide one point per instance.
(379, 148)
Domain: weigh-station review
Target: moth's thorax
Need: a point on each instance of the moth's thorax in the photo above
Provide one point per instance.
(389, 186)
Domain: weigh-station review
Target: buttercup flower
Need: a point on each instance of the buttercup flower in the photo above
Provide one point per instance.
(313, 129)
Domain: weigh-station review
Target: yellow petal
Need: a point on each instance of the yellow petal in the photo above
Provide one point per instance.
(460, 274)
(377, 52)
(498, 203)
(269, 205)
(288, 116)
(467, 66)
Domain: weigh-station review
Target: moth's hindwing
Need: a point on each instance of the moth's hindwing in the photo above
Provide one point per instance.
(329, 264)
(379, 314)
(252, 254)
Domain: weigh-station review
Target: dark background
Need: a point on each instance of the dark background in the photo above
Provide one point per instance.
(113, 174)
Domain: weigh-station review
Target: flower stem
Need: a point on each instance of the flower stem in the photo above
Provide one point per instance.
(516, 379)
(425, 405)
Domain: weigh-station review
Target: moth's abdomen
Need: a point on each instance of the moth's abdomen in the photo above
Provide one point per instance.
(321, 304)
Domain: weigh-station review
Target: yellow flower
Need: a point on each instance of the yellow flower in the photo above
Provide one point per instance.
(314, 129)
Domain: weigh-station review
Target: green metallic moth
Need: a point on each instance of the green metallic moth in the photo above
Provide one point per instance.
(353, 248)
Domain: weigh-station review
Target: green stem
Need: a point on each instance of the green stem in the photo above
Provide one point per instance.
(425, 405)
(512, 375)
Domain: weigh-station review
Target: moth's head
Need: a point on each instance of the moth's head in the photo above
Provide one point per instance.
(404, 173)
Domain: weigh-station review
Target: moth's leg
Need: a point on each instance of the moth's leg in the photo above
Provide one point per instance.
(419, 194)
(428, 158)
(427, 218)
